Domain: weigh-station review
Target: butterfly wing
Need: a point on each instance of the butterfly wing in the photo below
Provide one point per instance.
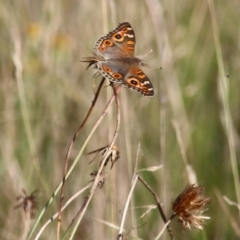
(130, 76)
(117, 43)
(113, 71)
(137, 80)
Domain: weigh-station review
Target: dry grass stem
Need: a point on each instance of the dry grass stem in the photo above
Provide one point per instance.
(63, 207)
(68, 154)
(106, 156)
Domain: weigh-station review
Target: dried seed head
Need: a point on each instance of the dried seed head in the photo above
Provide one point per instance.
(190, 205)
(101, 179)
(114, 154)
(29, 203)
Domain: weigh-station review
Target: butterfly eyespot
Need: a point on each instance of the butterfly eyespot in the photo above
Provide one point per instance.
(118, 37)
(101, 48)
(134, 82)
(117, 75)
(107, 43)
(106, 69)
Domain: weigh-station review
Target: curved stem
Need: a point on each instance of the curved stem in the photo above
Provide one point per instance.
(95, 183)
(66, 162)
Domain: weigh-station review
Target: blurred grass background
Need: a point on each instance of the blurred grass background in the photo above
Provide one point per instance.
(46, 92)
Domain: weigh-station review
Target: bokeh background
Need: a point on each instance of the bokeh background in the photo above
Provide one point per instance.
(190, 127)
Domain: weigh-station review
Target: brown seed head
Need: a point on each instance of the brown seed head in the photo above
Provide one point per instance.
(29, 203)
(189, 206)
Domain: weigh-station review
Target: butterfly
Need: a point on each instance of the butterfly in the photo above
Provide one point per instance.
(114, 58)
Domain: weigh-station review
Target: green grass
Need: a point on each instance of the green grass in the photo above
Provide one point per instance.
(45, 93)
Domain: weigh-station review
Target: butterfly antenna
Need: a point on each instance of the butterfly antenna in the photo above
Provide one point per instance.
(146, 65)
(143, 64)
(147, 53)
(143, 56)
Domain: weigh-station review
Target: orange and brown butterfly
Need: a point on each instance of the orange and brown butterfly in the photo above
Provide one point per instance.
(115, 59)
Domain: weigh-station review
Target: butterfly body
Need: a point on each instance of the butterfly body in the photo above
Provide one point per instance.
(114, 58)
